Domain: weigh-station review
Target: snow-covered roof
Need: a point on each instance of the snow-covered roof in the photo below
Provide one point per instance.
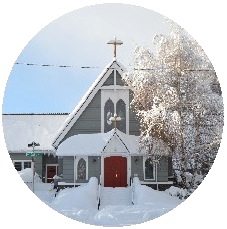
(113, 141)
(22, 129)
(86, 99)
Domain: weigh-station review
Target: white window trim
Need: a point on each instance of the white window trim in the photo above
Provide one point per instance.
(154, 170)
(22, 162)
(110, 94)
(76, 166)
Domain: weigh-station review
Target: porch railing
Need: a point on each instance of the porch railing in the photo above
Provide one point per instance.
(99, 191)
(133, 189)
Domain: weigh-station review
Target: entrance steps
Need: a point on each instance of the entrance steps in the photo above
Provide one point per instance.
(115, 196)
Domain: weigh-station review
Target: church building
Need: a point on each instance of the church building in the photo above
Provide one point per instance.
(99, 138)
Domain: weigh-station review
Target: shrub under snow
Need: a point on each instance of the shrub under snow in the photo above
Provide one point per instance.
(27, 176)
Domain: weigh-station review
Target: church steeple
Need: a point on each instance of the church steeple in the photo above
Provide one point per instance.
(115, 42)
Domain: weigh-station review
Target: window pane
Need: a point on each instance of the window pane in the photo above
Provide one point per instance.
(81, 169)
(121, 112)
(27, 164)
(149, 169)
(108, 113)
(18, 165)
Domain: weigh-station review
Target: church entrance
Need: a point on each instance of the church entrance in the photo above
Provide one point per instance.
(115, 171)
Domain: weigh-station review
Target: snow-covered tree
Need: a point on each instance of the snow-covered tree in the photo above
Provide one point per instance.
(178, 101)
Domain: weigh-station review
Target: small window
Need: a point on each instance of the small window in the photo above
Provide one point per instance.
(27, 164)
(19, 165)
(81, 169)
(108, 113)
(149, 169)
(121, 112)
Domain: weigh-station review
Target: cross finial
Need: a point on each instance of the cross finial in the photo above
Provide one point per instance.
(115, 119)
(115, 42)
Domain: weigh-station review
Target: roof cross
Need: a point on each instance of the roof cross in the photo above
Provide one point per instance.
(115, 42)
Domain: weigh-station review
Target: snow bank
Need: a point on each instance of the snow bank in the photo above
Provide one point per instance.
(81, 204)
(192, 183)
(175, 191)
(41, 189)
(159, 199)
(121, 215)
(27, 176)
(78, 203)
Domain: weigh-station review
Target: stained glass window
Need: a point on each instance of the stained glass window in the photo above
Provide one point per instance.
(108, 113)
(81, 169)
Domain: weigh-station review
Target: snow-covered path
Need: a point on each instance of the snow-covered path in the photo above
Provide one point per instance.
(115, 196)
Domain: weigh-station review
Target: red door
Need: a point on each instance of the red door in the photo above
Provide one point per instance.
(115, 171)
(52, 170)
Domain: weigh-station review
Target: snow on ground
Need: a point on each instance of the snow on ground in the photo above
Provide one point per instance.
(26, 175)
(81, 204)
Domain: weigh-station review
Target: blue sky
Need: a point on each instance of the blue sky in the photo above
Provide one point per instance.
(78, 38)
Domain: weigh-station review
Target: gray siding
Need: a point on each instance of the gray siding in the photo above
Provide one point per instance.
(110, 80)
(94, 167)
(90, 120)
(163, 169)
(119, 80)
(60, 165)
(68, 169)
(137, 167)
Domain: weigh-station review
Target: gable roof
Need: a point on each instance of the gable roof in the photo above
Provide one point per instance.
(75, 114)
(22, 129)
(96, 144)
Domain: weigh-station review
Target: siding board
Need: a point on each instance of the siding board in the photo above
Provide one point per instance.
(89, 121)
(68, 169)
(137, 167)
(94, 167)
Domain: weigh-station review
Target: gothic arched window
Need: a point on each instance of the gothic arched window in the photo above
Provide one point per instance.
(149, 170)
(121, 112)
(108, 113)
(81, 169)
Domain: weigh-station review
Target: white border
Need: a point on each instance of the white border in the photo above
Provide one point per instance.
(110, 94)
(204, 20)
